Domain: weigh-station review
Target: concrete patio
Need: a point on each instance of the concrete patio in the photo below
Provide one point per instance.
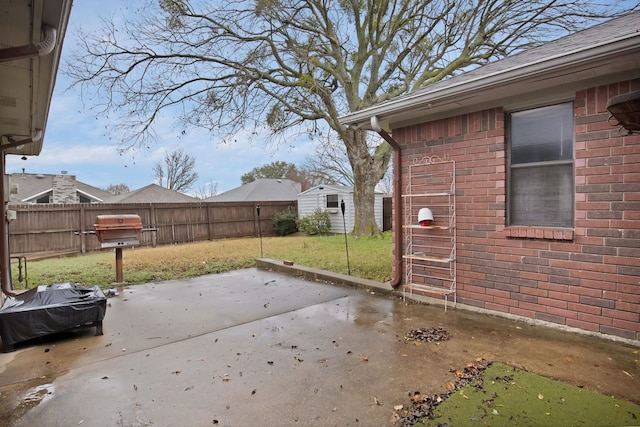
(255, 347)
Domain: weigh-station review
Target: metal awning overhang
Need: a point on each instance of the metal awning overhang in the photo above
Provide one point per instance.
(548, 79)
(31, 35)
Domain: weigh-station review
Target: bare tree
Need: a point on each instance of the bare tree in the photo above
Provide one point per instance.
(231, 65)
(207, 190)
(386, 183)
(329, 164)
(300, 176)
(116, 189)
(177, 172)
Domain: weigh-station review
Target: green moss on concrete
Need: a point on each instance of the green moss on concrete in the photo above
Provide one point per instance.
(506, 396)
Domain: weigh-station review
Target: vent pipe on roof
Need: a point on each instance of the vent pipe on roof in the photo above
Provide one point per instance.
(44, 47)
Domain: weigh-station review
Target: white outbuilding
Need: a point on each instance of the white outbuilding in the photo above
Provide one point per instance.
(328, 198)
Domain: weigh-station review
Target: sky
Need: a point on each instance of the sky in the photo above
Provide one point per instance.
(79, 143)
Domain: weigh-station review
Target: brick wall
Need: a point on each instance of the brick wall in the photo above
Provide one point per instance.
(587, 277)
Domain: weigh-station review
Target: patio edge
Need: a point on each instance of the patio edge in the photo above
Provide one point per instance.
(386, 289)
(326, 276)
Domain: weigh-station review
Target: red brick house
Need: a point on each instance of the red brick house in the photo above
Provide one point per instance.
(545, 211)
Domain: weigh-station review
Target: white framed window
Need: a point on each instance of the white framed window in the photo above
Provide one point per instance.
(541, 166)
(332, 201)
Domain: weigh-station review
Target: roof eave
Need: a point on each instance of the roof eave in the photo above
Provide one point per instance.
(31, 79)
(36, 196)
(555, 71)
(90, 196)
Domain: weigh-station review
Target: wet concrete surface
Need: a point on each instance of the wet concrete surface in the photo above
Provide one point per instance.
(253, 347)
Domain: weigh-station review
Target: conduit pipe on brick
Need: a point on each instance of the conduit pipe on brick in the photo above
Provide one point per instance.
(396, 201)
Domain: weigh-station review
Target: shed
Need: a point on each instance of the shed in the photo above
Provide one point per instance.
(328, 198)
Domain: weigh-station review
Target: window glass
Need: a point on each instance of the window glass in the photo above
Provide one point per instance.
(542, 196)
(541, 176)
(542, 134)
(332, 200)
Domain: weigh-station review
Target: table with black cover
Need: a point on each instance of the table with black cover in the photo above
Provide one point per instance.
(50, 309)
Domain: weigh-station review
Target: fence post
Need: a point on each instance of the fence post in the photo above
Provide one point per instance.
(83, 238)
(208, 219)
(152, 218)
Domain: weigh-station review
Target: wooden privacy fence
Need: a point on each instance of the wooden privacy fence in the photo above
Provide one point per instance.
(64, 228)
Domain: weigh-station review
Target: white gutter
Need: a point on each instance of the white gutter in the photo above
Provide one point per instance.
(12, 142)
(91, 196)
(34, 197)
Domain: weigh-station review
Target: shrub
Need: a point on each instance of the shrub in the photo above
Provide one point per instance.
(285, 222)
(318, 222)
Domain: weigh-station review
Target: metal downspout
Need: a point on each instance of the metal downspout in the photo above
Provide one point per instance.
(44, 47)
(396, 201)
(4, 249)
(5, 264)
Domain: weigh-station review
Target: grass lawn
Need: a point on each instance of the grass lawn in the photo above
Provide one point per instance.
(369, 258)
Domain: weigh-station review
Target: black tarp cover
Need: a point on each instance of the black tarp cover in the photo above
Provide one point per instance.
(49, 309)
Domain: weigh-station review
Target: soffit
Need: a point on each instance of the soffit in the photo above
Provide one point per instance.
(26, 84)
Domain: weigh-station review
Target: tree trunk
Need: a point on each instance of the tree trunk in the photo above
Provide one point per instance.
(368, 170)
(364, 203)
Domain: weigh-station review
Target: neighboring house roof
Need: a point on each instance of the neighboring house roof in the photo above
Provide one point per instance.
(30, 187)
(153, 193)
(261, 190)
(598, 55)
